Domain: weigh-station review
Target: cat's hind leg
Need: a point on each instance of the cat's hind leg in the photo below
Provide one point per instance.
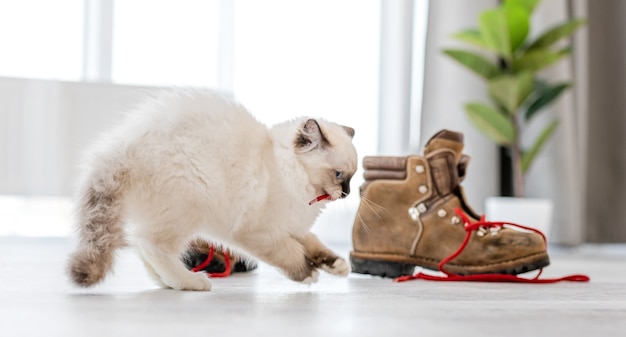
(163, 261)
(152, 273)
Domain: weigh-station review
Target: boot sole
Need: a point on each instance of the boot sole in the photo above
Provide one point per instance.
(381, 268)
(393, 266)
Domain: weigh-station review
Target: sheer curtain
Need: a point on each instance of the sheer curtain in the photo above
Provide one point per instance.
(606, 122)
(559, 172)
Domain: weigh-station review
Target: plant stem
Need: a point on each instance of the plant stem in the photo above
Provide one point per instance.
(516, 161)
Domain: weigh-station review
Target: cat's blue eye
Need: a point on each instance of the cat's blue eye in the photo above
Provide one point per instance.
(338, 174)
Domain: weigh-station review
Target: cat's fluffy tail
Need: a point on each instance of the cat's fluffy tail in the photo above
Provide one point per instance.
(100, 225)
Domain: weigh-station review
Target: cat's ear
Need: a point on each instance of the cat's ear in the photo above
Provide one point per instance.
(349, 130)
(310, 136)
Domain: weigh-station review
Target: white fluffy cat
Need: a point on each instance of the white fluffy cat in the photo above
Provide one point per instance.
(190, 164)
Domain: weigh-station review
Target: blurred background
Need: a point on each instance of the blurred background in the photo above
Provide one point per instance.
(70, 68)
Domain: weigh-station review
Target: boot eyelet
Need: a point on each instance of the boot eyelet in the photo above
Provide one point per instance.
(419, 169)
(442, 213)
(455, 220)
(422, 189)
(422, 208)
(414, 213)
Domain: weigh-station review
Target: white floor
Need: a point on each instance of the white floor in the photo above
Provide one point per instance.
(37, 300)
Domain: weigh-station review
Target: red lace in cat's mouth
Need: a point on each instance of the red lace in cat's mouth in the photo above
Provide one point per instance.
(320, 198)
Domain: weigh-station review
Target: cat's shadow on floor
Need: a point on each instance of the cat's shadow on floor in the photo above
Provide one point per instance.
(157, 297)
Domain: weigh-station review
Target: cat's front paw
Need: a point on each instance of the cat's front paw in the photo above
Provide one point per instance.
(312, 278)
(308, 275)
(340, 268)
(194, 281)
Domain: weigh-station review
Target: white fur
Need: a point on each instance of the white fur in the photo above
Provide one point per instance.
(197, 164)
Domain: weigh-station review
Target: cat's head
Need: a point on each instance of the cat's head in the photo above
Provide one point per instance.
(326, 151)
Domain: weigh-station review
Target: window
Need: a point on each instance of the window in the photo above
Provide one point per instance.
(166, 42)
(280, 58)
(41, 39)
(316, 58)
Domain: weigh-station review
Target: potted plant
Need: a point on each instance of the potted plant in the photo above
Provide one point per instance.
(510, 62)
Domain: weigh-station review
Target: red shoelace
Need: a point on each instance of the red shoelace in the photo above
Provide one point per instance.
(471, 227)
(320, 198)
(206, 263)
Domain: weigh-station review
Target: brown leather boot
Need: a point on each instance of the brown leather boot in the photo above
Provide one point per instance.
(407, 218)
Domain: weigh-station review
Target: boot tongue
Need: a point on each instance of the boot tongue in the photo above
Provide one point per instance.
(450, 182)
(443, 152)
(445, 139)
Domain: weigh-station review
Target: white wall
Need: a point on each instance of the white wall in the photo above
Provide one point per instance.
(44, 125)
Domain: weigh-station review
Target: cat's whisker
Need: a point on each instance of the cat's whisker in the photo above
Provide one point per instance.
(365, 226)
(369, 201)
(369, 204)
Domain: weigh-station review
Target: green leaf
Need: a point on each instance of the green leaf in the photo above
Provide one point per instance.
(529, 156)
(556, 33)
(474, 62)
(545, 96)
(541, 85)
(471, 36)
(538, 59)
(517, 18)
(494, 31)
(529, 5)
(491, 122)
(511, 90)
